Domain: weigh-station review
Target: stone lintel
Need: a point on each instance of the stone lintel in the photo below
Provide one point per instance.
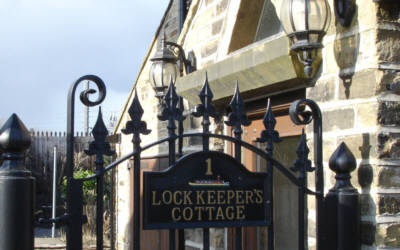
(263, 68)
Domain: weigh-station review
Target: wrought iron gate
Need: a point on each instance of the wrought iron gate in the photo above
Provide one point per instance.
(336, 213)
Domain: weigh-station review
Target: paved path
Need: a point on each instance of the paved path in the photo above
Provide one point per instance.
(43, 239)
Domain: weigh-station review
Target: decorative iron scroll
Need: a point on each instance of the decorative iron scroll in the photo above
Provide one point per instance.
(300, 115)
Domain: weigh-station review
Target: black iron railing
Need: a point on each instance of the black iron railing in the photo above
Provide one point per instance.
(333, 211)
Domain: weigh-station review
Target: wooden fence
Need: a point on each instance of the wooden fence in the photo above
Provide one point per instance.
(40, 160)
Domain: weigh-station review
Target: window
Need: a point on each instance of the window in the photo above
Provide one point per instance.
(269, 23)
(255, 22)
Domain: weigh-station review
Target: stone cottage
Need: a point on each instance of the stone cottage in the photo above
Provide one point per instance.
(354, 80)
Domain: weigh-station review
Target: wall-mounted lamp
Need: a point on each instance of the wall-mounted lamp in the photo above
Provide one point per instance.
(165, 66)
(305, 23)
(344, 11)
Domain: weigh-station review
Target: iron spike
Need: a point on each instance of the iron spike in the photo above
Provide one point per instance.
(206, 108)
(238, 116)
(100, 146)
(135, 125)
(302, 164)
(269, 135)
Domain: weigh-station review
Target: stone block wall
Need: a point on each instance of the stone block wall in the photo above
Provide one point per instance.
(205, 29)
(358, 63)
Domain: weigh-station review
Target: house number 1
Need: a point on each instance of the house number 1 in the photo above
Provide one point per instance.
(209, 170)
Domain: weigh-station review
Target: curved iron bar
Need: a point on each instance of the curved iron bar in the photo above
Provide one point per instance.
(74, 186)
(300, 116)
(250, 147)
(84, 97)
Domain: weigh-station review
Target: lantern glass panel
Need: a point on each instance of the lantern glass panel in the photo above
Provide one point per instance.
(318, 15)
(294, 19)
(161, 72)
(286, 17)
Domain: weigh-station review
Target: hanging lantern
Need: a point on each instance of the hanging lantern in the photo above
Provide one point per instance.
(305, 22)
(164, 67)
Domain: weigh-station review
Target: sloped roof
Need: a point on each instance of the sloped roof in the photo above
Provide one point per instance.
(153, 42)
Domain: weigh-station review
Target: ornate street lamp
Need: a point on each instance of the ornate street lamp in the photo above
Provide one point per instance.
(165, 66)
(305, 23)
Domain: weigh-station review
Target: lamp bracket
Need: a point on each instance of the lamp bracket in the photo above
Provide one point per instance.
(344, 11)
(190, 62)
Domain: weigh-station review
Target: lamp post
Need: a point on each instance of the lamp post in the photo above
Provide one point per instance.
(305, 22)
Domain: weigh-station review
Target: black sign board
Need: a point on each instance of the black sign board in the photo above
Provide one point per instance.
(205, 189)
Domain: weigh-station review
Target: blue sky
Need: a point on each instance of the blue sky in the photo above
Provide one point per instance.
(45, 45)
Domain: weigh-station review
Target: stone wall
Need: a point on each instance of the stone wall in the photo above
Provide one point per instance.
(204, 31)
(351, 89)
(211, 32)
(358, 63)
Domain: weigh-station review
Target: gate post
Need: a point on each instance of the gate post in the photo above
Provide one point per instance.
(342, 204)
(17, 188)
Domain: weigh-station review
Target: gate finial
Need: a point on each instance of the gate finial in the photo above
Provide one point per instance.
(171, 110)
(342, 162)
(99, 146)
(302, 164)
(238, 116)
(206, 108)
(136, 125)
(14, 140)
(269, 135)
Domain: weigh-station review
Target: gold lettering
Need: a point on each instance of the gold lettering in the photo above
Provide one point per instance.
(211, 197)
(240, 213)
(199, 195)
(176, 202)
(154, 203)
(199, 210)
(220, 214)
(174, 217)
(230, 214)
(259, 194)
(185, 215)
(231, 195)
(209, 171)
(249, 196)
(210, 212)
(165, 200)
(186, 198)
(239, 197)
(220, 197)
